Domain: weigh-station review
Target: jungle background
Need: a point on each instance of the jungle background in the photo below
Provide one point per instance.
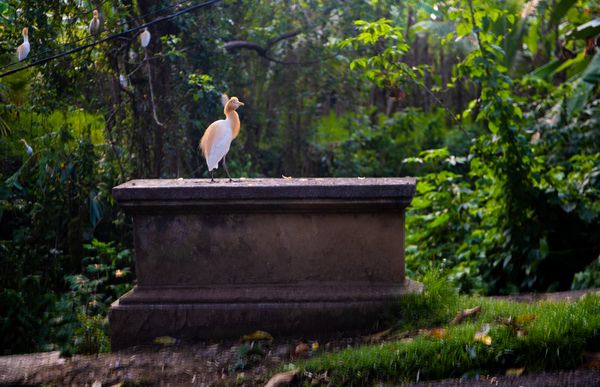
(493, 105)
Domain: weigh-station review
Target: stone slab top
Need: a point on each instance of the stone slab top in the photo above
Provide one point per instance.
(402, 188)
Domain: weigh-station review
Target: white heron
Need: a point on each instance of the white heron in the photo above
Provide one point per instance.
(218, 136)
(145, 38)
(95, 24)
(28, 148)
(23, 49)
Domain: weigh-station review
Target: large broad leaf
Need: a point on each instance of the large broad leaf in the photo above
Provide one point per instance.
(514, 42)
(95, 208)
(570, 62)
(592, 71)
(560, 10)
(583, 87)
(548, 69)
(438, 28)
(589, 29)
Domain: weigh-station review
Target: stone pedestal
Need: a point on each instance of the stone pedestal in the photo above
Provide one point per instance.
(287, 256)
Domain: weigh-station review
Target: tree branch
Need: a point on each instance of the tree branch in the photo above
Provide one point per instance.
(264, 51)
(287, 35)
(239, 44)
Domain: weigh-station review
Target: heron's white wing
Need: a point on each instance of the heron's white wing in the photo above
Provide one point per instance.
(145, 38)
(23, 50)
(219, 141)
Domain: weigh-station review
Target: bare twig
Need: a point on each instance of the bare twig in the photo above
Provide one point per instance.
(151, 89)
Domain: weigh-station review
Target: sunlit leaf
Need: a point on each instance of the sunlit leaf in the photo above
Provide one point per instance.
(560, 10)
(482, 336)
(515, 371)
(165, 341)
(257, 336)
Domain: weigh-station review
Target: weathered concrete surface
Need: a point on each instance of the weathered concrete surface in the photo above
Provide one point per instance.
(289, 255)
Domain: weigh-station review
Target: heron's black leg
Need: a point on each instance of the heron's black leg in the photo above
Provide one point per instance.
(212, 179)
(225, 166)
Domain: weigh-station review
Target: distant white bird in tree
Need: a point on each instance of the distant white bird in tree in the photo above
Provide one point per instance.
(145, 38)
(123, 81)
(95, 24)
(28, 148)
(23, 49)
(217, 138)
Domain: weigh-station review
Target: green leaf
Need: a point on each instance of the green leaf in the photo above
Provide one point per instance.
(95, 209)
(429, 9)
(544, 249)
(463, 29)
(584, 86)
(568, 63)
(439, 221)
(592, 71)
(532, 38)
(560, 10)
(546, 70)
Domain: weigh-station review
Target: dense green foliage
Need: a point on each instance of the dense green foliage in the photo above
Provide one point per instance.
(493, 105)
(539, 336)
(519, 210)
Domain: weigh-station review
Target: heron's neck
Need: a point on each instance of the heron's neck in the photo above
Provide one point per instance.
(25, 39)
(234, 120)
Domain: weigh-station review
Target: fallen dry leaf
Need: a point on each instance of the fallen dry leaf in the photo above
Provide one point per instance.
(592, 360)
(301, 349)
(375, 337)
(460, 316)
(482, 336)
(282, 378)
(165, 340)
(484, 339)
(526, 318)
(438, 333)
(515, 371)
(258, 336)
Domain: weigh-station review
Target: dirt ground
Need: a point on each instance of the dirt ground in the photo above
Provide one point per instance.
(222, 363)
(157, 365)
(210, 365)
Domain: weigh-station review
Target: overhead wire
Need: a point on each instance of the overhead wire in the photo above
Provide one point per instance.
(88, 37)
